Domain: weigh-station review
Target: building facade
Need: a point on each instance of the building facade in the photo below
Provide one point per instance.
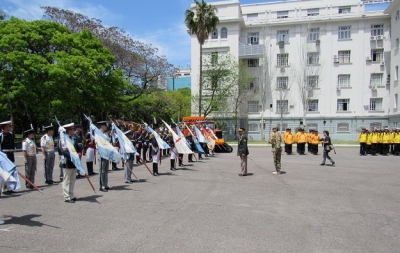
(181, 79)
(318, 64)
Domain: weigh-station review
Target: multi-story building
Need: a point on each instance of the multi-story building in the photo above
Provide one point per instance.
(317, 63)
(180, 79)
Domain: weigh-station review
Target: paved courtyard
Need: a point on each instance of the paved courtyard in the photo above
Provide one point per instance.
(207, 207)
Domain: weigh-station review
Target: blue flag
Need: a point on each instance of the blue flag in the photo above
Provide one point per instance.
(161, 143)
(9, 172)
(200, 136)
(69, 143)
(106, 150)
(125, 144)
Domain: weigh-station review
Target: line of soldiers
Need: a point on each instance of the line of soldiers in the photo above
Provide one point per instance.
(312, 138)
(379, 141)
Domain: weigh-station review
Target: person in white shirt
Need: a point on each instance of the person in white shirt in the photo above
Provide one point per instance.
(47, 147)
(29, 151)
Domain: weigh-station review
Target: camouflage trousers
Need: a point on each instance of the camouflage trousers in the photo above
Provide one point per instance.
(277, 158)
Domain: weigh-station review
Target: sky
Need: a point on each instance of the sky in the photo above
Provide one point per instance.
(156, 22)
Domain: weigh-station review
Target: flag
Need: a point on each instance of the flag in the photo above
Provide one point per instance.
(69, 144)
(106, 150)
(9, 172)
(180, 134)
(161, 143)
(196, 143)
(199, 135)
(126, 145)
(179, 144)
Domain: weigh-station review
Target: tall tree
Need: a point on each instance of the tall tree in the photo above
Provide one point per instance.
(201, 21)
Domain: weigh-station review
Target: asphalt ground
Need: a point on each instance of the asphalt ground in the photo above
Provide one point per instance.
(207, 207)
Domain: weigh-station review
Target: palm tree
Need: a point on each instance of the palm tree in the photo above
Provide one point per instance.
(201, 20)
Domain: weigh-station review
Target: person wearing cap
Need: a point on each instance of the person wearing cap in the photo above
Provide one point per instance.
(104, 163)
(396, 141)
(374, 141)
(243, 151)
(276, 142)
(47, 147)
(362, 140)
(137, 140)
(29, 151)
(301, 139)
(288, 139)
(69, 168)
(155, 150)
(89, 153)
(129, 161)
(78, 138)
(315, 139)
(174, 151)
(385, 139)
(7, 147)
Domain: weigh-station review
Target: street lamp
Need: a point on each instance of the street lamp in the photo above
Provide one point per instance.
(175, 75)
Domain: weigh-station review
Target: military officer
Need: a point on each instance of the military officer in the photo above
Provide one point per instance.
(29, 151)
(90, 147)
(276, 142)
(104, 163)
(7, 147)
(78, 138)
(174, 151)
(47, 147)
(129, 161)
(243, 151)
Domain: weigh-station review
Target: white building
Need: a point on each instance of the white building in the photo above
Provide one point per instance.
(341, 48)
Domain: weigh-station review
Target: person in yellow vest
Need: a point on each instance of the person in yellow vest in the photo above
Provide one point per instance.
(386, 136)
(362, 140)
(396, 141)
(288, 138)
(374, 141)
(368, 143)
(301, 140)
(315, 139)
(392, 133)
(308, 138)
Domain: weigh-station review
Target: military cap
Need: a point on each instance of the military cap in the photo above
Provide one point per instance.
(48, 128)
(70, 125)
(275, 127)
(241, 129)
(6, 123)
(155, 126)
(288, 128)
(128, 132)
(78, 126)
(173, 125)
(102, 123)
(30, 131)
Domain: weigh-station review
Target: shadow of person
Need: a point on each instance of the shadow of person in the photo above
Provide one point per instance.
(167, 174)
(120, 188)
(139, 180)
(92, 198)
(26, 220)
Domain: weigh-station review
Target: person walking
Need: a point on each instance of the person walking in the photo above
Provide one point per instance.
(243, 151)
(276, 142)
(327, 144)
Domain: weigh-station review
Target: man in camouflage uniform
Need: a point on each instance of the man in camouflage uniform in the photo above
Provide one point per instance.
(276, 142)
(242, 151)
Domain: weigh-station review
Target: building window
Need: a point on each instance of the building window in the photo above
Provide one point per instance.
(253, 106)
(214, 58)
(397, 43)
(283, 59)
(397, 14)
(282, 14)
(344, 56)
(375, 104)
(377, 55)
(344, 32)
(343, 127)
(253, 63)
(344, 9)
(313, 105)
(214, 34)
(282, 106)
(282, 82)
(253, 38)
(313, 12)
(252, 17)
(224, 33)
(343, 81)
(396, 101)
(312, 81)
(283, 127)
(313, 34)
(312, 126)
(313, 58)
(283, 36)
(253, 84)
(376, 79)
(375, 125)
(376, 30)
(396, 73)
(343, 105)
(253, 127)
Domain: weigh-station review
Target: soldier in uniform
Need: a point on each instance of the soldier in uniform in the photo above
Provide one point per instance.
(78, 138)
(192, 145)
(47, 147)
(129, 161)
(243, 152)
(276, 142)
(104, 163)
(362, 139)
(288, 138)
(89, 151)
(145, 144)
(138, 144)
(174, 151)
(29, 151)
(7, 147)
(155, 150)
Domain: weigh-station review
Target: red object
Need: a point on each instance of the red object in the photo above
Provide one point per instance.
(90, 182)
(27, 180)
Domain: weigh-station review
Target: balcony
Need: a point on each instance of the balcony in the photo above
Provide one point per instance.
(250, 50)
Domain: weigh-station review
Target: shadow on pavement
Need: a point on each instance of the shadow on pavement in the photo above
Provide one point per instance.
(92, 198)
(121, 187)
(26, 220)
(167, 174)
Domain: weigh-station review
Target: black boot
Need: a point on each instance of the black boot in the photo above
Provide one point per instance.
(180, 160)
(190, 158)
(173, 164)
(155, 169)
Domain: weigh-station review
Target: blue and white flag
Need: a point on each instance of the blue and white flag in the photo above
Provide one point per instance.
(196, 142)
(68, 143)
(199, 135)
(180, 134)
(161, 143)
(179, 144)
(8, 172)
(126, 145)
(106, 150)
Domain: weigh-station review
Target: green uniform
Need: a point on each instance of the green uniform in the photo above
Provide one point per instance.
(276, 141)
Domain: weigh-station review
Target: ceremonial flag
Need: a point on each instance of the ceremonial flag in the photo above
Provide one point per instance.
(106, 150)
(69, 144)
(199, 135)
(180, 134)
(9, 172)
(126, 145)
(179, 144)
(161, 143)
(196, 143)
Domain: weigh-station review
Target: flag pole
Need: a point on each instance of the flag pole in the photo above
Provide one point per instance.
(146, 165)
(90, 182)
(27, 180)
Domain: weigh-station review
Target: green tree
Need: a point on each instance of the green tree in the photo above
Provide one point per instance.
(201, 21)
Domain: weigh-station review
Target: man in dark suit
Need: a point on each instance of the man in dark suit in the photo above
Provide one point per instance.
(243, 151)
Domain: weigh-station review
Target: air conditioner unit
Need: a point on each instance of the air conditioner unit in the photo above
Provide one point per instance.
(291, 106)
(317, 42)
(282, 69)
(373, 87)
(335, 59)
(338, 87)
(379, 37)
(366, 107)
(368, 58)
(281, 44)
(382, 63)
(372, 38)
